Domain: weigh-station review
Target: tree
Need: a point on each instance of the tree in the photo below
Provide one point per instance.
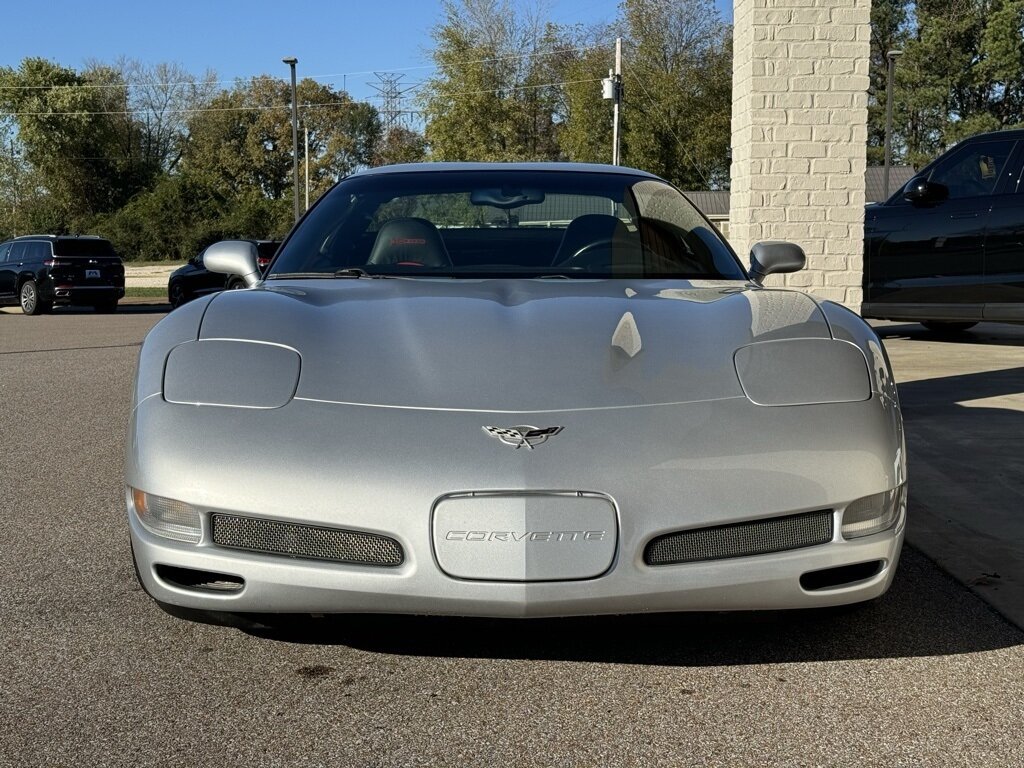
(161, 98)
(492, 97)
(72, 131)
(243, 141)
(400, 145)
(586, 130)
(678, 104)
(962, 72)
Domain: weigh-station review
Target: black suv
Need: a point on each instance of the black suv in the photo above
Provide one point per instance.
(947, 250)
(39, 271)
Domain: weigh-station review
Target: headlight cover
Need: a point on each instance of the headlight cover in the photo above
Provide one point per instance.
(231, 372)
(167, 517)
(802, 372)
(874, 514)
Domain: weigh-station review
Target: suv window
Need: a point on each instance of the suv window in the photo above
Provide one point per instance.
(974, 170)
(19, 251)
(4, 250)
(83, 247)
(35, 250)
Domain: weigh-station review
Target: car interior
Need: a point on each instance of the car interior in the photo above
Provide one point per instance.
(484, 238)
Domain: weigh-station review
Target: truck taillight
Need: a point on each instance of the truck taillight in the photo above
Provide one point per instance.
(56, 263)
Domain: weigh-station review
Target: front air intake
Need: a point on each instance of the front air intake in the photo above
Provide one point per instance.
(758, 537)
(275, 537)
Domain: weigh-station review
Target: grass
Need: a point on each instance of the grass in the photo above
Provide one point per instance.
(146, 293)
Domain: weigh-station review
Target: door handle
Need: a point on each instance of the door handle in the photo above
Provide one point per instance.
(963, 215)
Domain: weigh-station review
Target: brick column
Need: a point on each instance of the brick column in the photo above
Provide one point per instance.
(799, 136)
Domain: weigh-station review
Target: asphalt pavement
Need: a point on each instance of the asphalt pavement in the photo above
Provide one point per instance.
(92, 673)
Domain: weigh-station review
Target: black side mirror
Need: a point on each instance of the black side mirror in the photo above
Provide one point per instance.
(920, 191)
(770, 257)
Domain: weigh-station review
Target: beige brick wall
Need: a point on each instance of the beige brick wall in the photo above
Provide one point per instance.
(799, 135)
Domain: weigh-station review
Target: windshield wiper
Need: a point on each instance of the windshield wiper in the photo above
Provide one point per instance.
(350, 272)
(300, 276)
(355, 272)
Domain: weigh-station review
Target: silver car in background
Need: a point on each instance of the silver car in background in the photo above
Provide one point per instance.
(512, 391)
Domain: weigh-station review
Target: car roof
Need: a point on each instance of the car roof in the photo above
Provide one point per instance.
(1008, 133)
(549, 166)
(59, 237)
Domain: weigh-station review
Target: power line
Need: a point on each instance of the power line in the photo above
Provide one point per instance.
(271, 107)
(329, 77)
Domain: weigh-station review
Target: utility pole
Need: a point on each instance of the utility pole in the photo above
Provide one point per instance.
(611, 88)
(891, 57)
(15, 188)
(305, 156)
(291, 61)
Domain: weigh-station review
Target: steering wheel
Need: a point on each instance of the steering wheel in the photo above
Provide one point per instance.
(587, 257)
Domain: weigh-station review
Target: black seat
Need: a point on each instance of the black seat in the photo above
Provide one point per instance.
(587, 229)
(409, 241)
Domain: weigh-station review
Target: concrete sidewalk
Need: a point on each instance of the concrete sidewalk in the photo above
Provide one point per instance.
(963, 404)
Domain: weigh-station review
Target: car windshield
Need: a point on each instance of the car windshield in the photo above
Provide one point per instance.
(506, 223)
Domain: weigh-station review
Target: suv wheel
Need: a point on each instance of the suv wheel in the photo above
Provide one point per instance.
(936, 326)
(29, 299)
(237, 284)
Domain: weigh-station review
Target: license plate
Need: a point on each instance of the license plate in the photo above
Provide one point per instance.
(92, 274)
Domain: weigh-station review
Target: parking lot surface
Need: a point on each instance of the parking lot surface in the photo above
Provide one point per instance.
(93, 673)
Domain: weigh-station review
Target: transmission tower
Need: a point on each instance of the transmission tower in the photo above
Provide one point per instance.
(391, 92)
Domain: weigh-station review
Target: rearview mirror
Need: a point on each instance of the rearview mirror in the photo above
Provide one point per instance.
(920, 190)
(234, 257)
(506, 198)
(770, 257)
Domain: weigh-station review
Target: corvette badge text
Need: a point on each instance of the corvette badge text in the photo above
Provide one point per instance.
(525, 536)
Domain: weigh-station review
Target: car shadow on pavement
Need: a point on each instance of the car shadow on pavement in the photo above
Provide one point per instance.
(122, 309)
(965, 435)
(925, 613)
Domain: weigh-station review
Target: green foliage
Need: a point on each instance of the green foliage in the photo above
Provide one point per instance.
(168, 164)
(490, 99)
(400, 145)
(79, 139)
(962, 73)
(511, 87)
(678, 104)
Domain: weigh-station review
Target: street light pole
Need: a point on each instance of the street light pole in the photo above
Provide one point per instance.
(891, 57)
(291, 61)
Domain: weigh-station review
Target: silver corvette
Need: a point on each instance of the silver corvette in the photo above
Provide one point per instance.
(512, 390)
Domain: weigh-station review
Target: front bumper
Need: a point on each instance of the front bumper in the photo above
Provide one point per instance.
(700, 464)
(282, 585)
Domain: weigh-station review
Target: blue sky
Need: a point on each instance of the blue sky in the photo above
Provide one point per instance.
(240, 39)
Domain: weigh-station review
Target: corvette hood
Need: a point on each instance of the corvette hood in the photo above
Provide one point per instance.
(513, 345)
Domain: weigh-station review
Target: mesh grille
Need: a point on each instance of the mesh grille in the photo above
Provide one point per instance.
(741, 539)
(293, 540)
